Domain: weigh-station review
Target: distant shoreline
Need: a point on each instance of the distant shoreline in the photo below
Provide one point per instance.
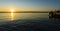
(24, 12)
(27, 12)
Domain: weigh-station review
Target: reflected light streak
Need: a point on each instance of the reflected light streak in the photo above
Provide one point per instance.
(12, 14)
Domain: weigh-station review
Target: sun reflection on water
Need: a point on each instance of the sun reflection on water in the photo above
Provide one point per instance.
(12, 14)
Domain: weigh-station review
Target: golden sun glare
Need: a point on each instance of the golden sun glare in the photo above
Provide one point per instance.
(12, 16)
(12, 10)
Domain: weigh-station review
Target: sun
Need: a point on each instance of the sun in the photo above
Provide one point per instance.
(12, 10)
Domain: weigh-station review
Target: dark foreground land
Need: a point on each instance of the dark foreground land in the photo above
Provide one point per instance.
(30, 25)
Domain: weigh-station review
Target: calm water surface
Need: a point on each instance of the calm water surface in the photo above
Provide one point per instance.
(4, 17)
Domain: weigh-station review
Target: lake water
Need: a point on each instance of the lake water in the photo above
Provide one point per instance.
(28, 22)
(4, 17)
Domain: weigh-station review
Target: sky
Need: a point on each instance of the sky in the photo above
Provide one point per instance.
(29, 5)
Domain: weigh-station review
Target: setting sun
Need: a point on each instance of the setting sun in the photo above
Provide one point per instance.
(12, 10)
